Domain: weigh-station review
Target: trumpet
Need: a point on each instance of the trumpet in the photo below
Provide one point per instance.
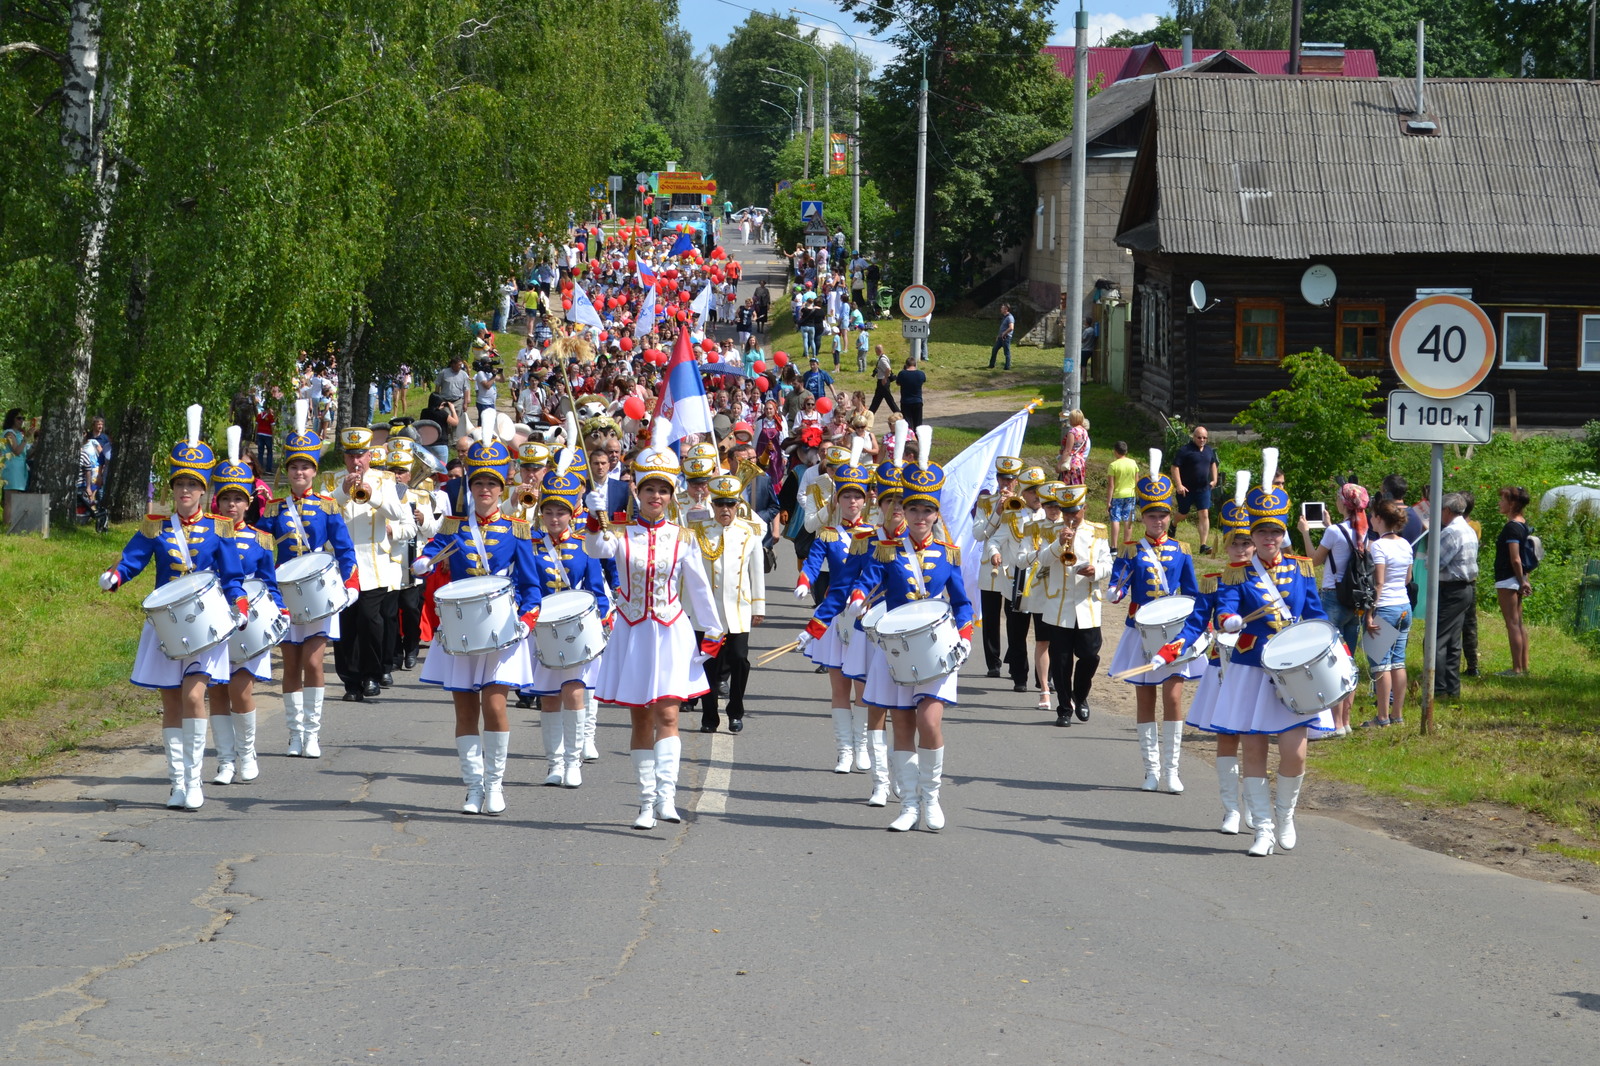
(1015, 503)
(527, 496)
(361, 493)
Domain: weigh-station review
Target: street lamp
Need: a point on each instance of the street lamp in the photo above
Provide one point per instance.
(827, 97)
(855, 162)
(810, 93)
(792, 88)
(780, 107)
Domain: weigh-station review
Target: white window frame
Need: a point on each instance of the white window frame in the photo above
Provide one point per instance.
(1544, 340)
(1038, 227)
(1053, 229)
(1583, 326)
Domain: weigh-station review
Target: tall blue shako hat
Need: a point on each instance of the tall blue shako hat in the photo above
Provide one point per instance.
(851, 474)
(887, 476)
(233, 474)
(1268, 507)
(1233, 517)
(192, 457)
(488, 455)
(561, 484)
(299, 442)
(923, 481)
(1154, 490)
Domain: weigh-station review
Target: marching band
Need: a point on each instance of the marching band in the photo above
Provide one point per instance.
(527, 576)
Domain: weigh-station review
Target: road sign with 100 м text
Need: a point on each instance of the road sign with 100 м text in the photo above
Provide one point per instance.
(1467, 419)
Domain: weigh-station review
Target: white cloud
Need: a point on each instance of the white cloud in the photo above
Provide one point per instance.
(1101, 27)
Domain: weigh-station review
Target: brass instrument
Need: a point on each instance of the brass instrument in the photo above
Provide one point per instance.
(361, 493)
(1015, 503)
(527, 495)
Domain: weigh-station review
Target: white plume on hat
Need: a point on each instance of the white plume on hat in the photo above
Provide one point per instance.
(901, 432)
(1269, 468)
(194, 413)
(564, 461)
(1241, 485)
(302, 407)
(234, 434)
(857, 447)
(1155, 462)
(571, 426)
(924, 445)
(660, 431)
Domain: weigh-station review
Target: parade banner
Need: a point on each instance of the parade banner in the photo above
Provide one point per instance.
(837, 165)
(684, 181)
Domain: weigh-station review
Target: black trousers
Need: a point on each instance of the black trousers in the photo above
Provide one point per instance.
(1074, 659)
(732, 662)
(913, 413)
(409, 605)
(879, 395)
(1017, 643)
(358, 657)
(993, 606)
(1469, 639)
(819, 587)
(1456, 601)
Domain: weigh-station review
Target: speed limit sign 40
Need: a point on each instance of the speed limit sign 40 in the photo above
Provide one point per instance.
(916, 301)
(1442, 346)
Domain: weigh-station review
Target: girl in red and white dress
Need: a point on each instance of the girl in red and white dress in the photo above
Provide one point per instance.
(651, 665)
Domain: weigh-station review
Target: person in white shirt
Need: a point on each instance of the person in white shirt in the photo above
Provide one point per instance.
(1391, 559)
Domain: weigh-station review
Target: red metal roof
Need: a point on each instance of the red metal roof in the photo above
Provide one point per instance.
(1118, 64)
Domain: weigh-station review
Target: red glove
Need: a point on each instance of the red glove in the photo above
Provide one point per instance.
(592, 523)
(709, 648)
(241, 606)
(353, 581)
(816, 629)
(1168, 652)
(529, 618)
(284, 611)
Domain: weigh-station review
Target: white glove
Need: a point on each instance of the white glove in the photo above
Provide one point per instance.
(1156, 662)
(963, 650)
(421, 565)
(109, 581)
(803, 641)
(857, 608)
(802, 592)
(1232, 624)
(1118, 595)
(595, 502)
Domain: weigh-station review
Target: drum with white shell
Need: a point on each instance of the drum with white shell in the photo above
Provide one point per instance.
(1160, 621)
(264, 627)
(1309, 666)
(568, 632)
(311, 587)
(919, 641)
(190, 615)
(477, 615)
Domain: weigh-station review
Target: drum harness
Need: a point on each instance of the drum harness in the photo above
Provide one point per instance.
(477, 541)
(182, 538)
(1274, 597)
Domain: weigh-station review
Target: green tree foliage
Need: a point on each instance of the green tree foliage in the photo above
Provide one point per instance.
(834, 192)
(1236, 24)
(646, 148)
(1459, 41)
(1166, 33)
(679, 100)
(1322, 423)
(994, 98)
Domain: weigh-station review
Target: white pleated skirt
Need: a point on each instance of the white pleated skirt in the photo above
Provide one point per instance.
(828, 650)
(855, 654)
(322, 627)
(512, 667)
(549, 682)
(882, 690)
(648, 662)
(152, 669)
(1248, 703)
(1130, 653)
(259, 668)
(1204, 705)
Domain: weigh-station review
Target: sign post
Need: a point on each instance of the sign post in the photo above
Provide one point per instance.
(1441, 346)
(916, 304)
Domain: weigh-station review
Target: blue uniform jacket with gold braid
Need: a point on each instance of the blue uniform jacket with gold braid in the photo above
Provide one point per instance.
(893, 563)
(1133, 566)
(208, 550)
(846, 579)
(255, 555)
(580, 570)
(1201, 618)
(508, 543)
(321, 524)
(1241, 591)
(830, 548)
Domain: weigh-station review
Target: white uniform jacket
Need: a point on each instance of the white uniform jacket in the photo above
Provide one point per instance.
(374, 526)
(733, 562)
(1058, 594)
(657, 566)
(1012, 536)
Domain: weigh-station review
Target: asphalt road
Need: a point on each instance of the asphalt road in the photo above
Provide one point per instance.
(342, 911)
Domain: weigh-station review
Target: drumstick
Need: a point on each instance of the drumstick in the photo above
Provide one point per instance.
(777, 653)
(1259, 612)
(1136, 671)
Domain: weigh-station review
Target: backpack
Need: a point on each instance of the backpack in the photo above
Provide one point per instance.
(1357, 587)
(1532, 552)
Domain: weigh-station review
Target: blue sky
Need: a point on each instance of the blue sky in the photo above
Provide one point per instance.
(710, 21)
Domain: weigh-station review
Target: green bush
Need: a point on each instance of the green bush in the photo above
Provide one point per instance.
(1322, 424)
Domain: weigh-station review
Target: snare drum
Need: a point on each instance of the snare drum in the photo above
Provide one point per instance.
(311, 587)
(477, 615)
(265, 625)
(870, 620)
(1309, 666)
(919, 641)
(190, 615)
(1227, 643)
(568, 632)
(1160, 621)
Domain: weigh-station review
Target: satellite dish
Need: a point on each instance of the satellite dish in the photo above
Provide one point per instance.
(1318, 284)
(1197, 294)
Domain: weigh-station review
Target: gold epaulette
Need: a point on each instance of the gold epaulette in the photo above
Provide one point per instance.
(1207, 583)
(1235, 574)
(151, 525)
(860, 545)
(1182, 546)
(521, 530)
(829, 535)
(223, 519)
(263, 538)
(952, 552)
(1129, 550)
(885, 553)
(1097, 528)
(272, 508)
(329, 505)
(450, 527)
(1307, 567)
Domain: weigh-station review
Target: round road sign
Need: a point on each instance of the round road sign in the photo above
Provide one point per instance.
(1442, 346)
(916, 301)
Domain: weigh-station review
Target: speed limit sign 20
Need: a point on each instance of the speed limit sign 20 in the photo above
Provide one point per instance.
(916, 301)
(1442, 346)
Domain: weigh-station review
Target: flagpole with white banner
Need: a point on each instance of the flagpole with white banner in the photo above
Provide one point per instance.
(583, 309)
(647, 314)
(969, 474)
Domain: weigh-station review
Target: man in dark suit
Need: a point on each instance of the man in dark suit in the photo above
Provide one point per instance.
(759, 495)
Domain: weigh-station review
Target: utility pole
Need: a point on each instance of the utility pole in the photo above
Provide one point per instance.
(855, 165)
(811, 122)
(920, 347)
(1071, 323)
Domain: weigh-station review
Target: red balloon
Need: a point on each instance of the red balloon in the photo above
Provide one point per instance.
(760, 366)
(566, 284)
(709, 345)
(824, 405)
(762, 384)
(638, 218)
(566, 305)
(627, 344)
(781, 358)
(633, 407)
(683, 297)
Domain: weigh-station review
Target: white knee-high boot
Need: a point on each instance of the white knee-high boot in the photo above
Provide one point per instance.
(1288, 797)
(311, 724)
(1150, 752)
(470, 749)
(879, 746)
(1172, 733)
(644, 767)
(844, 745)
(858, 737)
(668, 751)
(591, 714)
(905, 772)
(1258, 794)
(1228, 789)
(172, 743)
(294, 712)
(555, 748)
(194, 757)
(495, 748)
(572, 746)
(930, 764)
(222, 730)
(244, 743)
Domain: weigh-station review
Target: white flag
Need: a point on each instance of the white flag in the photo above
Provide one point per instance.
(647, 314)
(968, 474)
(701, 304)
(583, 309)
